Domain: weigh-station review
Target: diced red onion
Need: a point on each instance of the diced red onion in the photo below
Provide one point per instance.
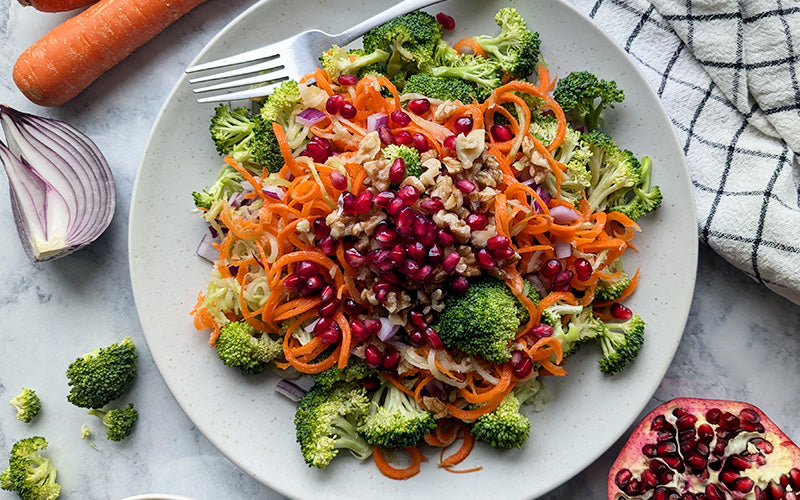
(561, 248)
(206, 250)
(375, 120)
(273, 192)
(235, 200)
(564, 215)
(387, 329)
(309, 116)
(62, 190)
(290, 390)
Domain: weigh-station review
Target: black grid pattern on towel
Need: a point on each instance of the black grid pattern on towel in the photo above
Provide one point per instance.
(745, 179)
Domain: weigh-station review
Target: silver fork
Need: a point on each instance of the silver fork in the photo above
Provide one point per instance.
(287, 59)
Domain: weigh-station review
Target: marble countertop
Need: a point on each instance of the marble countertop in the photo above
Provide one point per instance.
(740, 340)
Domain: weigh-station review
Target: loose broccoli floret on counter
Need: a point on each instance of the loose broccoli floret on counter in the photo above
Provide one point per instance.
(612, 169)
(338, 61)
(409, 155)
(119, 422)
(239, 346)
(229, 181)
(612, 288)
(394, 419)
(356, 370)
(30, 475)
(409, 39)
(516, 48)
(641, 198)
(102, 375)
(444, 88)
(506, 426)
(621, 343)
(482, 321)
(85, 431)
(326, 420)
(584, 98)
(27, 404)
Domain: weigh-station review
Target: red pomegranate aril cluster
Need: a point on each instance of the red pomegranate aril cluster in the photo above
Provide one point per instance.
(375, 358)
(334, 103)
(356, 205)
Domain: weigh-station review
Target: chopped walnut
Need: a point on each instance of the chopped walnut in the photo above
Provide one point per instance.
(368, 148)
(479, 238)
(435, 406)
(467, 266)
(483, 200)
(446, 191)
(377, 174)
(457, 226)
(343, 224)
(470, 147)
(412, 180)
(532, 160)
(445, 110)
(453, 165)
(432, 168)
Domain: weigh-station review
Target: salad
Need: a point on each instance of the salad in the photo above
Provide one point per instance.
(427, 230)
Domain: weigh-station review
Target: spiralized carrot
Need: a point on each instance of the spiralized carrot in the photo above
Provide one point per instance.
(395, 472)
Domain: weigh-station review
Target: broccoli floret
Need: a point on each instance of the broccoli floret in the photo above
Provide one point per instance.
(356, 370)
(482, 321)
(338, 61)
(119, 422)
(506, 426)
(85, 431)
(641, 198)
(409, 155)
(582, 326)
(326, 420)
(448, 63)
(394, 419)
(516, 48)
(611, 289)
(30, 475)
(612, 169)
(621, 343)
(247, 137)
(409, 39)
(229, 181)
(444, 88)
(573, 153)
(231, 127)
(27, 404)
(102, 375)
(584, 98)
(238, 346)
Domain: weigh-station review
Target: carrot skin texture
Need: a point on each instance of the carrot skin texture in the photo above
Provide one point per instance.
(65, 61)
(56, 5)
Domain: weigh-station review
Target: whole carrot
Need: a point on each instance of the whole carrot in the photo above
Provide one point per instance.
(75, 53)
(56, 5)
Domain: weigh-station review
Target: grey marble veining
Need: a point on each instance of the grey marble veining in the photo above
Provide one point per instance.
(741, 341)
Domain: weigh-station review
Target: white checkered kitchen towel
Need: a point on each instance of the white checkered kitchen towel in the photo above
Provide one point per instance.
(728, 74)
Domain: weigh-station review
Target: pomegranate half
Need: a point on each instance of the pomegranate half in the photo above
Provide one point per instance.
(704, 449)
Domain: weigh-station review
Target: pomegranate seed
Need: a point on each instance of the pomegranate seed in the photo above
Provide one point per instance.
(432, 338)
(712, 415)
(447, 22)
(373, 325)
(306, 269)
(463, 125)
(353, 257)
(501, 133)
(743, 485)
(328, 309)
(363, 202)
(316, 151)
(358, 330)
(563, 278)
(398, 255)
(466, 186)
(445, 237)
(327, 245)
(330, 337)
(420, 142)
(405, 220)
(450, 142)
(400, 118)
(451, 261)
(382, 296)
(334, 103)
(431, 205)
(415, 338)
(542, 330)
(373, 356)
(423, 226)
(350, 306)
(348, 202)
(390, 360)
(315, 282)
(347, 79)
(328, 293)
(416, 251)
(320, 227)
(395, 206)
(521, 364)
(583, 269)
(435, 254)
(550, 268)
(419, 106)
(338, 180)
(498, 243)
(410, 268)
(459, 284)
(417, 318)
(404, 138)
(408, 193)
(621, 312)
(293, 281)
(484, 258)
(477, 222)
(386, 135)
(347, 110)
(424, 273)
(383, 198)
(385, 236)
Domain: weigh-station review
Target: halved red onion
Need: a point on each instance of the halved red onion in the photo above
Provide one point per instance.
(309, 116)
(375, 120)
(62, 190)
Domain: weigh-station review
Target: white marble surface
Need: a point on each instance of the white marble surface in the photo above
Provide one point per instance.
(741, 341)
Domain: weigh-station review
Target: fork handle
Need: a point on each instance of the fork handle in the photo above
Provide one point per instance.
(396, 10)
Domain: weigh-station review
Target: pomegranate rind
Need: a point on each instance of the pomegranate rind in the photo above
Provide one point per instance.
(786, 454)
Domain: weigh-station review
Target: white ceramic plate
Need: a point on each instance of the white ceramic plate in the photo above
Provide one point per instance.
(253, 426)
